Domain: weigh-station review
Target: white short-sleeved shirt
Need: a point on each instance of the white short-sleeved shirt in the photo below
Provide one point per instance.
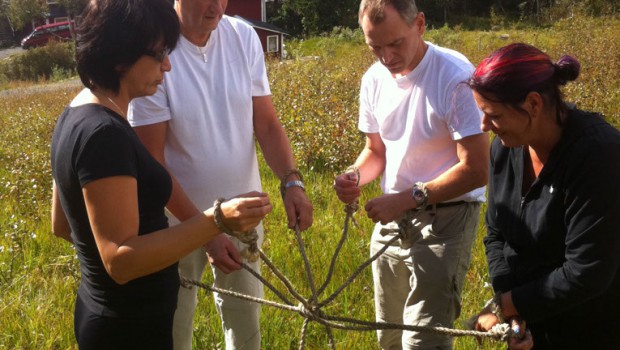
(207, 100)
(419, 117)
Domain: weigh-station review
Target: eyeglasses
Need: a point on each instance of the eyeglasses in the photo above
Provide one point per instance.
(158, 55)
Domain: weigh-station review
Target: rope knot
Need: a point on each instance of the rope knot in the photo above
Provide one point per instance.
(250, 238)
(313, 314)
(408, 232)
(502, 330)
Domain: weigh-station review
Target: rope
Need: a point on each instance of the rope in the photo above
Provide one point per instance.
(311, 308)
(250, 237)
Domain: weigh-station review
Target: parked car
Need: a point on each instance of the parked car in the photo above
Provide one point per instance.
(42, 35)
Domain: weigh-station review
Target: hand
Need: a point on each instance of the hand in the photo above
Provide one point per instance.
(298, 208)
(245, 211)
(486, 321)
(223, 254)
(387, 207)
(523, 338)
(346, 187)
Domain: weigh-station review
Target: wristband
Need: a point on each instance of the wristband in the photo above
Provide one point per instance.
(285, 185)
(295, 183)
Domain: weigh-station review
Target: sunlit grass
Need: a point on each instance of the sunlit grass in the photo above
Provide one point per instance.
(317, 103)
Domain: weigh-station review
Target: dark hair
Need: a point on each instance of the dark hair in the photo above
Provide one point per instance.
(114, 34)
(510, 73)
(375, 10)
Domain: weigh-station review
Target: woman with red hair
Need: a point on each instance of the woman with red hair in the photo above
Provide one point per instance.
(553, 217)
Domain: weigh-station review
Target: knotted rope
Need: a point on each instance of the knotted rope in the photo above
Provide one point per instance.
(250, 237)
(311, 308)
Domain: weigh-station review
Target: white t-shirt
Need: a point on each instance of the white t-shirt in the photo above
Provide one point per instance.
(207, 100)
(419, 116)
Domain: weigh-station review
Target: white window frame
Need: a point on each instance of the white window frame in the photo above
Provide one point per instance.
(276, 47)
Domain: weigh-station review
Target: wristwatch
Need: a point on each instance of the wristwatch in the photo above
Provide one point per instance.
(419, 195)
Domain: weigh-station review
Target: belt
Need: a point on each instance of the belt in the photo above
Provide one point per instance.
(444, 205)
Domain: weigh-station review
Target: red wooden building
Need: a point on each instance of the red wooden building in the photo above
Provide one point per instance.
(254, 13)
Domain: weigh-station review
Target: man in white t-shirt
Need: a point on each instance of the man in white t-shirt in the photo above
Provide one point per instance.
(201, 124)
(423, 138)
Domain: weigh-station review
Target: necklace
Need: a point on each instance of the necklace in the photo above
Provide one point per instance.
(118, 109)
(115, 105)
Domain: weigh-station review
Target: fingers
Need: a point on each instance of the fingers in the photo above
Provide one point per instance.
(298, 209)
(229, 261)
(521, 344)
(518, 327)
(245, 213)
(486, 321)
(346, 187)
(377, 213)
(223, 254)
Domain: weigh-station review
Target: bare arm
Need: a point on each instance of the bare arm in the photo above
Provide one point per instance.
(112, 207)
(277, 151)
(223, 254)
(154, 139)
(60, 224)
(469, 173)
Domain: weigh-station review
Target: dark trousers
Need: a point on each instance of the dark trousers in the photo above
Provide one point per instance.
(93, 331)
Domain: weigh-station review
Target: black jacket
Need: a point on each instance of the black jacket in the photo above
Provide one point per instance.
(558, 247)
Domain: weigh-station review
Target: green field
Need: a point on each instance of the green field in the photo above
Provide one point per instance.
(317, 102)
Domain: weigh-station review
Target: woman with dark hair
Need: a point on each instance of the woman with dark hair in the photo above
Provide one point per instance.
(109, 193)
(553, 217)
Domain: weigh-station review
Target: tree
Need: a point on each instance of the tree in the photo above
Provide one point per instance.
(313, 16)
(21, 12)
(73, 8)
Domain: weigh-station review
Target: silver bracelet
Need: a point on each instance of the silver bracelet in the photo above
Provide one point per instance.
(297, 183)
(285, 185)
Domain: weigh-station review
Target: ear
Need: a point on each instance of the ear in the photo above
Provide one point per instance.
(533, 104)
(420, 23)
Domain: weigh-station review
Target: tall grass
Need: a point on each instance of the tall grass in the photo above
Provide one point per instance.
(317, 103)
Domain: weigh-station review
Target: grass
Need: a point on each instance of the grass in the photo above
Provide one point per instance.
(317, 103)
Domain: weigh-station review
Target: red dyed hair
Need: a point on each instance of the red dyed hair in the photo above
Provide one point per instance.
(510, 73)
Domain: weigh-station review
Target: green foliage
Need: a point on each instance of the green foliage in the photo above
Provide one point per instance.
(21, 12)
(313, 17)
(54, 60)
(317, 102)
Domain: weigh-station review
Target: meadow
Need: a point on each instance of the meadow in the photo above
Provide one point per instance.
(317, 102)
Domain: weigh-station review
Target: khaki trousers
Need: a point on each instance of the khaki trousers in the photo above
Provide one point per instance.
(240, 318)
(422, 285)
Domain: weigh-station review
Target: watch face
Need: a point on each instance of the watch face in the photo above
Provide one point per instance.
(418, 195)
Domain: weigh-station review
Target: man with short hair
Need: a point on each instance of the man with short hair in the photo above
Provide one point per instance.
(201, 125)
(423, 138)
